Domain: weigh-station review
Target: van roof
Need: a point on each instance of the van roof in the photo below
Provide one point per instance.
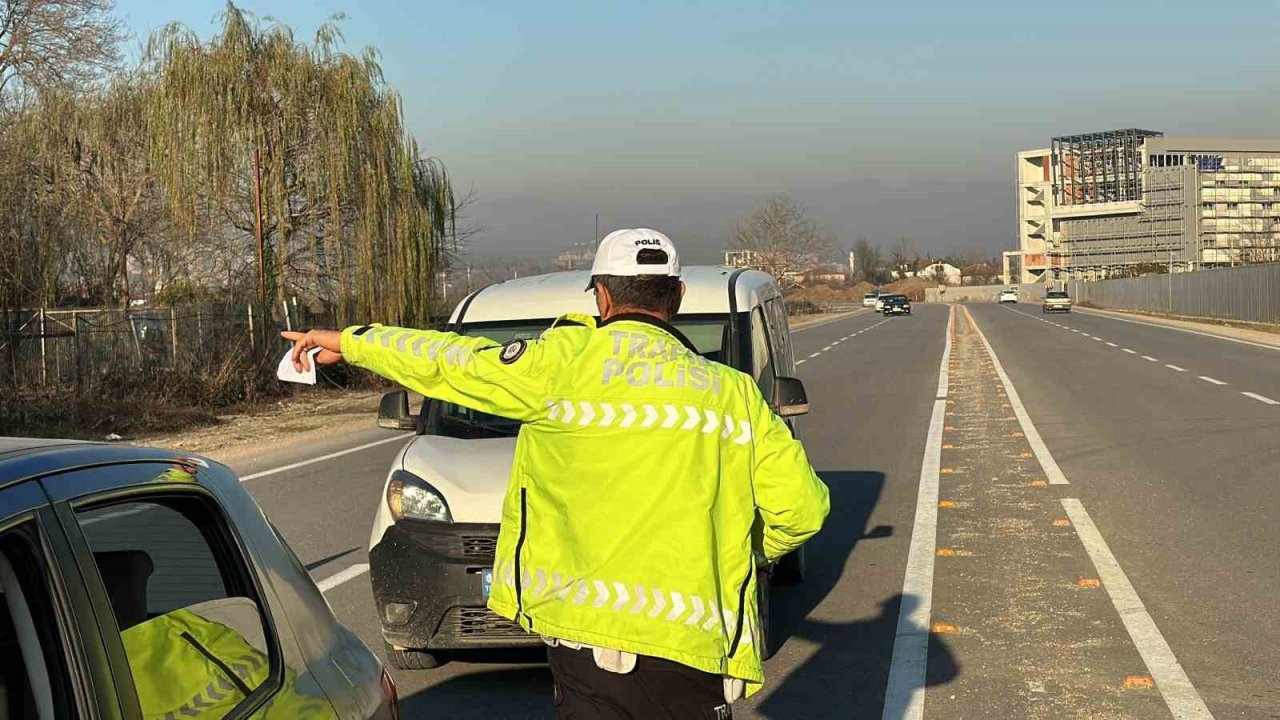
(548, 296)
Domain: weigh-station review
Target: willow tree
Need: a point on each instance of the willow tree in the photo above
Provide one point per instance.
(303, 148)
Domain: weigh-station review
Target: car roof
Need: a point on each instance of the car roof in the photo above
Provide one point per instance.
(540, 297)
(23, 458)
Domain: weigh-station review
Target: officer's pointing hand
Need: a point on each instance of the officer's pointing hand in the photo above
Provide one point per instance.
(330, 342)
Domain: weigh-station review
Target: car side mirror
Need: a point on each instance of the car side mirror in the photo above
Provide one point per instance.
(393, 412)
(789, 398)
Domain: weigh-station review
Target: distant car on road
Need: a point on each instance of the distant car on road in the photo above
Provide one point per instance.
(869, 300)
(137, 582)
(1056, 301)
(1009, 295)
(432, 548)
(880, 302)
(896, 305)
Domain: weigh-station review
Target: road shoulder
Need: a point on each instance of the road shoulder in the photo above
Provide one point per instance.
(1202, 327)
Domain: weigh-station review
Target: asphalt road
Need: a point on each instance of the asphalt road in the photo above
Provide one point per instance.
(1161, 470)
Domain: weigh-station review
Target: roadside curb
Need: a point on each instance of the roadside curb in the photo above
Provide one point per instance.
(1200, 327)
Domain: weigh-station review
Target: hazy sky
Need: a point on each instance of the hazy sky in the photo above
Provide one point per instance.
(683, 114)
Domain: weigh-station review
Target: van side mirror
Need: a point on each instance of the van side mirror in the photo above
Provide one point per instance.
(789, 398)
(393, 412)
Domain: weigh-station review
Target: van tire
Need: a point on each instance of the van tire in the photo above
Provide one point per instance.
(411, 659)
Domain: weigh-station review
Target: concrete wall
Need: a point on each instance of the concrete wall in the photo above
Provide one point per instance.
(1250, 293)
(981, 293)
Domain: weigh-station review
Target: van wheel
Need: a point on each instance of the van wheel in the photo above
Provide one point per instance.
(411, 659)
(791, 568)
(763, 581)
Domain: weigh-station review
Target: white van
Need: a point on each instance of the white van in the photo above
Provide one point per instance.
(431, 575)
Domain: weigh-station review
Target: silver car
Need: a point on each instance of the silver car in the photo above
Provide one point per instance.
(137, 582)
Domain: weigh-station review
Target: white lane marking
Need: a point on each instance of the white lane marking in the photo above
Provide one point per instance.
(801, 362)
(837, 342)
(1179, 694)
(827, 348)
(1111, 344)
(1074, 330)
(1185, 330)
(1097, 338)
(1150, 359)
(904, 694)
(1175, 367)
(293, 466)
(813, 355)
(1052, 472)
(1261, 398)
(1208, 379)
(337, 579)
(1129, 351)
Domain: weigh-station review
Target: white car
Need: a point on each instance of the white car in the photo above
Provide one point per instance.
(869, 300)
(880, 303)
(1009, 295)
(432, 548)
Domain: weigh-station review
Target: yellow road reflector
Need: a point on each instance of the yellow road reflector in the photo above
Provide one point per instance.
(948, 446)
(1039, 483)
(945, 629)
(1024, 454)
(1016, 434)
(946, 503)
(1062, 522)
(1089, 582)
(947, 471)
(949, 427)
(946, 552)
(1138, 682)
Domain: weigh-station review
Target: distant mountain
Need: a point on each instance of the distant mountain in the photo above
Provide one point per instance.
(936, 217)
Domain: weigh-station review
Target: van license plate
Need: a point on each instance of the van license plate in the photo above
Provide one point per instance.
(486, 582)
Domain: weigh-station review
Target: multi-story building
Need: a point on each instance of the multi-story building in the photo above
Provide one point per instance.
(1119, 202)
(578, 257)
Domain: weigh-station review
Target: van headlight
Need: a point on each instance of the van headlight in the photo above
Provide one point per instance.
(409, 496)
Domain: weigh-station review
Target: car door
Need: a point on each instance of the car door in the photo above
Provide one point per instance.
(181, 608)
(53, 664)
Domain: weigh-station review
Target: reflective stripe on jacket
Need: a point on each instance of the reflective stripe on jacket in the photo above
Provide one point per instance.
(646, 478)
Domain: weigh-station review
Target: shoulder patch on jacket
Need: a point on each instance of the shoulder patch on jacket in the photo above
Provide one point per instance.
(512, 351)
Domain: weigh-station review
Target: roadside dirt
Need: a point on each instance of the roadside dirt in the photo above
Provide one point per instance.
(303, 417)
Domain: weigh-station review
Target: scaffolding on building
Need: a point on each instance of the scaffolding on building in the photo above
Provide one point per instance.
(1098, 167)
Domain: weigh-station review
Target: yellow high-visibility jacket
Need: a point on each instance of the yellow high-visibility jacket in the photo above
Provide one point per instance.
(646, 478)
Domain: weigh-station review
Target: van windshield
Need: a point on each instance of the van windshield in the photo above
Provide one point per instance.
(707, 333)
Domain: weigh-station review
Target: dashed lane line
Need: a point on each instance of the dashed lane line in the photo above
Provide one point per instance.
(339, 578)
(1175, 368)
(1148, 358)
(1111, 344)
(1184, 330)
(1261, 398)
(1213, 381)
(1172, 681)
(1131, 352)
(904, 694)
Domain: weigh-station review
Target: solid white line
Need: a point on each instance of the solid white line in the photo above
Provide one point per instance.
(904, 694)
(293, 466)
(1208, 379)
(1261, 398)
(337, 579)
(1185, 330)
(1130, 351)
(1179, 694)
(1052, 472)
(1175, 367)
(1149, 358)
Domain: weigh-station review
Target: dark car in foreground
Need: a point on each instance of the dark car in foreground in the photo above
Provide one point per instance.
(137, 582)
(896, 305)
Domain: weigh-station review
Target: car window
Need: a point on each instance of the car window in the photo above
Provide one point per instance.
(779, 335)
(181, 591)
(762, 367)
(34, 682)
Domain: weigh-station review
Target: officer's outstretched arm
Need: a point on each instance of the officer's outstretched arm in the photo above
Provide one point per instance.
(504, 380)
(790, 497)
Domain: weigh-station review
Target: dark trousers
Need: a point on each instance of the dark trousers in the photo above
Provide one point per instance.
(655, 690)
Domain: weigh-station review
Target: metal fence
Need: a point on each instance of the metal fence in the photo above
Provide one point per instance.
(62, 348)
(1249, 293)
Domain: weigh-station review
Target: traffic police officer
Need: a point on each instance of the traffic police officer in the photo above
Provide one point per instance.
(648, 484)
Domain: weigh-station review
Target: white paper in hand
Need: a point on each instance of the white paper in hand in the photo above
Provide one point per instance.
(288, 374)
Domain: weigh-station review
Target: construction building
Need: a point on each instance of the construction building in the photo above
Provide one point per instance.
(1124, 202)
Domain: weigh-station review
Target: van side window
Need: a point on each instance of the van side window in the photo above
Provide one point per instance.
(762, 366)
(184, 602)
